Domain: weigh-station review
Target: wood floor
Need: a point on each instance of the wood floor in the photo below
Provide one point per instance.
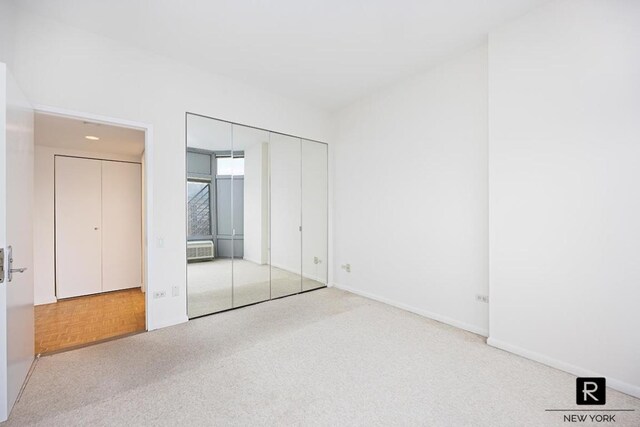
(83, 320)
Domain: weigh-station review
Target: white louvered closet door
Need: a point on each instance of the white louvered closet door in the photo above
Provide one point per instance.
(78, 212)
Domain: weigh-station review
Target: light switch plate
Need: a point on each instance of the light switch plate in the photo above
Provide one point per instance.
(482, 298)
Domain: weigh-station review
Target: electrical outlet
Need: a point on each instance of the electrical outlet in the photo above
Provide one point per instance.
(159, 294)
(175, 291)
(482, 298)
(346, 267)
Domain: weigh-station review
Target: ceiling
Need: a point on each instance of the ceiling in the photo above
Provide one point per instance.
(63, 132)
(326, 53)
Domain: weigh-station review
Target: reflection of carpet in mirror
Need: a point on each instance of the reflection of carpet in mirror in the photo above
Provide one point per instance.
(209, 284)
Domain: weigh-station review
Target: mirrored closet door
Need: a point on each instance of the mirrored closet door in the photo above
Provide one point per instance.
(256, 215)
(251, 216)
(286, 216)
(314, 205)
(209, 216)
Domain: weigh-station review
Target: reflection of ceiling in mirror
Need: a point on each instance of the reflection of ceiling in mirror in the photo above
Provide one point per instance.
(246, 137)
(210, 134)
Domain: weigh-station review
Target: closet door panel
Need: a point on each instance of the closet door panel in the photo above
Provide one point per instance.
(121, 226)
(77, 226)
(209, 216)
(286, 250)
(251, 271)
(314, 215)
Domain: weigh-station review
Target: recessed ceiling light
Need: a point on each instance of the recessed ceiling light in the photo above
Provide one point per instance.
(92, 138)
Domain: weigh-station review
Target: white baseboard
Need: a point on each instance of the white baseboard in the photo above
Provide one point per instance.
(434, 316)
(50, 300)
(164, 323)
(613, 383)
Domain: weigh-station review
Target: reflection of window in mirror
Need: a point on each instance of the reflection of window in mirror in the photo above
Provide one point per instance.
(230, 166)
(198, 208)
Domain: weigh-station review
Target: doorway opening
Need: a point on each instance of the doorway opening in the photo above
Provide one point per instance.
(89, 231)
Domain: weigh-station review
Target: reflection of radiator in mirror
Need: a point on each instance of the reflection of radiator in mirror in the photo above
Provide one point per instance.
(199, 250)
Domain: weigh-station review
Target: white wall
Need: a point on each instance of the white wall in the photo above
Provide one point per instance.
(43, 218)
(67, 68)
(410, 194)
(7, 30)
(564, 90)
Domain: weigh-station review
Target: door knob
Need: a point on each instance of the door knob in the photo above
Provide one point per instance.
(95, 228)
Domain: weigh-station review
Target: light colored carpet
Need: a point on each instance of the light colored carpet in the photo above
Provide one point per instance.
(320, 358)
(210, 289)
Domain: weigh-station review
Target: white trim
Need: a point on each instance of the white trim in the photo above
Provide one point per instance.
(62, 112)
(434, 316)
(613, 383)
(4, 362)
(46, 301)
(168, 322)
(148, 191)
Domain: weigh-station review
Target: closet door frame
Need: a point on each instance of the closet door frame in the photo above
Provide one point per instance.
(55, 222)
(151, 269)
(213, 185)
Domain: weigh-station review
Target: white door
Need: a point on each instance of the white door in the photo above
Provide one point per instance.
(121, 225)
(78, 217)
(16, 230)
